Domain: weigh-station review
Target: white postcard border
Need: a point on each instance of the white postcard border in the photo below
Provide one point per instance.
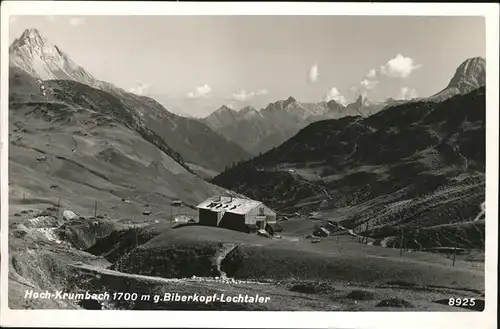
(227, 319)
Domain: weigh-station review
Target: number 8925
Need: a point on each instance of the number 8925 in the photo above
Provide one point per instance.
(461, 301)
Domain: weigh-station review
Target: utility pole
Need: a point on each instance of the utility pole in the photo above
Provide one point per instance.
(95, 208)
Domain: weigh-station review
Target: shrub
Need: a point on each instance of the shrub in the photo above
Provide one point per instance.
(312, 288)
(395, 302)
(401, 283)
(360, 295)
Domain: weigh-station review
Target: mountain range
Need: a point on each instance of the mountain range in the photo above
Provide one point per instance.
(196, 143)
(226, 136)
(412, 166)
(260, 131)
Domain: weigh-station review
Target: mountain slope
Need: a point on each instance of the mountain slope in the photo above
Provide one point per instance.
(82, 144)
(221, 117)
(409, 166)
(193, 140)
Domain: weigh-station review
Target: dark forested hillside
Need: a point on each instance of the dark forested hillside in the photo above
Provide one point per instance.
(417, 164)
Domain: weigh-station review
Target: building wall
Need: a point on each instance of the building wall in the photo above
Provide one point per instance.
(234, 222)
(255, 214)
(207, 217)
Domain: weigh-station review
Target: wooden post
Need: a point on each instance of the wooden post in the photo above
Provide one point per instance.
(58, 204)
(136, 240)
(367, 227)
(95, 208)
(454, 253)
(401, 244)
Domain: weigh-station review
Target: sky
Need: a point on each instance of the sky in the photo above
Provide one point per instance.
(195, 64)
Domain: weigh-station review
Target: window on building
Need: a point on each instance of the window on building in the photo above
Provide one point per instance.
(261, 211)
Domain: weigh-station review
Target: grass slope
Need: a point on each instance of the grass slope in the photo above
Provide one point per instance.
(192, 250)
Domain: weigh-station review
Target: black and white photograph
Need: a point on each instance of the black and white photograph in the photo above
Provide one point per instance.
(217, 162)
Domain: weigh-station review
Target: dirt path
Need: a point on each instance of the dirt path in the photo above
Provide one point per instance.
(481, 213)
(351, 232)
(466, 163)
(221, 255)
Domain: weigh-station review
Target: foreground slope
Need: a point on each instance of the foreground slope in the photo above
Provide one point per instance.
(82, 166)
(410, 166)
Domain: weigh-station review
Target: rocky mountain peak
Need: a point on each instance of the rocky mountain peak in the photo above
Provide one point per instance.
(31, 33)
(332, 104)
(247, 109)
(37, 56)
(224, 109)
(289, 101)
(30, 38)
(470, 75)
(358, 102)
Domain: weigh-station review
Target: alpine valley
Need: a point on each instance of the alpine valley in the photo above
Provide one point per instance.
(380, 205)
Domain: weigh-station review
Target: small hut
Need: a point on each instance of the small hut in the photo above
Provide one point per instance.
(322, 232)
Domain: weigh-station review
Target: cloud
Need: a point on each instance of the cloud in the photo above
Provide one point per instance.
(369, 84)
(407, 93)
(372, 74)
(334, 94)
(399, 67)
(51, 18)
(200, 92)
(75, 21)
(140, 89)
(313, 73)
(242, 95)
(12, 19)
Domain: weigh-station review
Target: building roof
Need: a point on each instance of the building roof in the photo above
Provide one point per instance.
(229, 204)
(326, 231)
